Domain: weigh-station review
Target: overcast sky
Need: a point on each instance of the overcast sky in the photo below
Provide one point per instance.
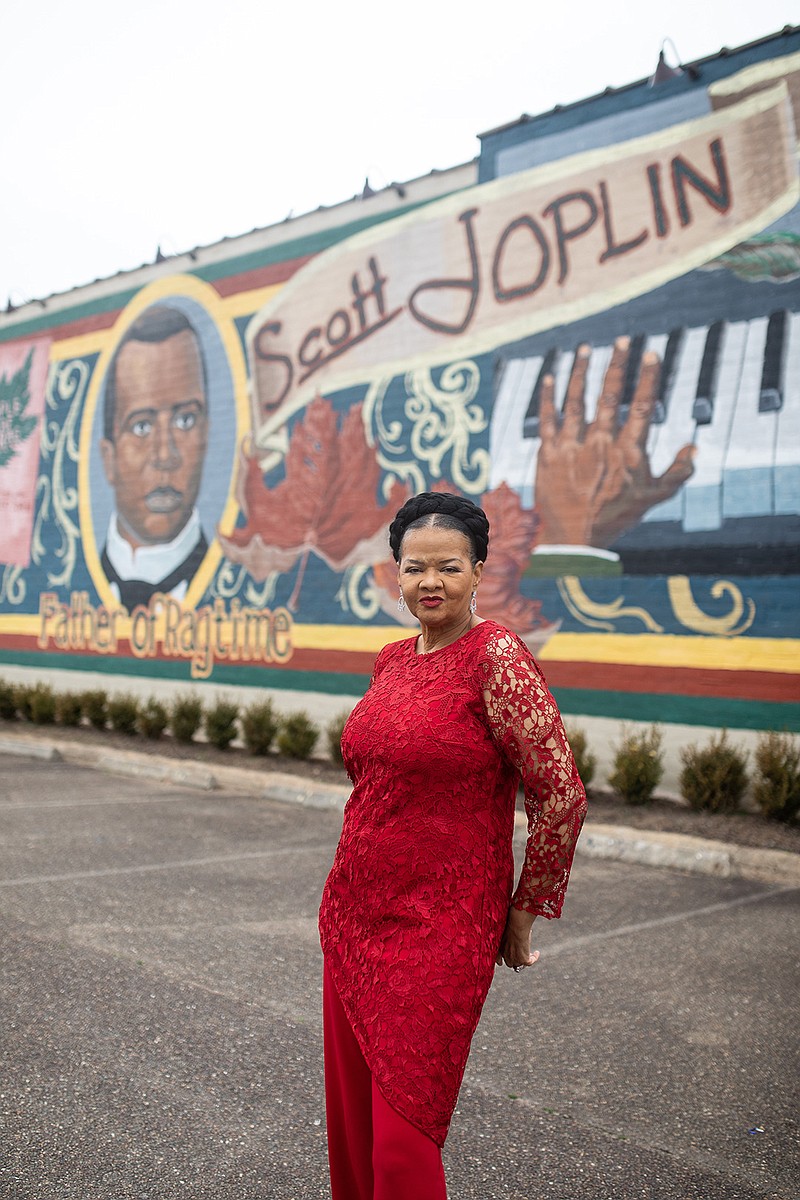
(178, 122)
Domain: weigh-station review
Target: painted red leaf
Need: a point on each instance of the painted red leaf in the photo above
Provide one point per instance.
(266, 543)
(347, 526)
(326, 504)
(513, 537)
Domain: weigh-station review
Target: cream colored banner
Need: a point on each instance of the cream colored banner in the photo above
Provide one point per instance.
(757, 79)
(525, 253)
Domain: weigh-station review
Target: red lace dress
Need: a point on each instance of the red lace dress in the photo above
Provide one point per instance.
(416, 902)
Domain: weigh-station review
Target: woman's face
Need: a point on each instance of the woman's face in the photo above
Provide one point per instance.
(436, 576)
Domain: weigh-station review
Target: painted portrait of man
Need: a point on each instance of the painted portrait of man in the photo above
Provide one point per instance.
(153, 447)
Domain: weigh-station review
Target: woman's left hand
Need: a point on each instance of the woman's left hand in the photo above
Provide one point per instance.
(515, 947)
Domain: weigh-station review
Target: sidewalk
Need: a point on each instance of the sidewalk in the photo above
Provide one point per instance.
(616, 842)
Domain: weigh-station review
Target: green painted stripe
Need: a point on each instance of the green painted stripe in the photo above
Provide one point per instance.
(679, 710)
(331, 682)
(554, 566)
(302, 247)
(66, 316)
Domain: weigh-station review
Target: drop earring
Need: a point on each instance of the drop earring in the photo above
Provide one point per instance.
(473, 604)
(401, 604)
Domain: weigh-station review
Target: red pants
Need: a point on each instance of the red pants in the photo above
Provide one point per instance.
(374, 1153)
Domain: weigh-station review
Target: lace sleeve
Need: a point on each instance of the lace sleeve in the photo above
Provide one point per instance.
(527, 726)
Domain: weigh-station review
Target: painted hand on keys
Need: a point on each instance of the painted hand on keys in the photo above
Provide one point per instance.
(593, 481)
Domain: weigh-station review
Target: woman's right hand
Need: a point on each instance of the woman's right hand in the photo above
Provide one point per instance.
(515, 945)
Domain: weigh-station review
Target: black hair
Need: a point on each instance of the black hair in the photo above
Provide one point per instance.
(443, 510)
(156, 324)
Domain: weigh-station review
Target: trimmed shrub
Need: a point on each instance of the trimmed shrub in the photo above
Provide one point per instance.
(23, 697)
(220, 723)
(714, 777)
(153, 718)
(638, 765)
(259, 726)
(776, 785)
(95, 708)
(69, 709)
(8, 701)
(123, 713)
(333, 732)
(298, 735)
(585, 761)
(185, 717)
(42, 704)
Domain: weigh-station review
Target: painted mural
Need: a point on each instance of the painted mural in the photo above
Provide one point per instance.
(599, 342)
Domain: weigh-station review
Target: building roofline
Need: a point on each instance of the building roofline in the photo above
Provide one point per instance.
(194, 254)
(723, 52)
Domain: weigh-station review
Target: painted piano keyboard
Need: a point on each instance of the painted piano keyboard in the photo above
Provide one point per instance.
(731, 388)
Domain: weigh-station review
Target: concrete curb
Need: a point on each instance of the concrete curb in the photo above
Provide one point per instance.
(268, 785)
(11, 744)
(684, 853)
(676, 850)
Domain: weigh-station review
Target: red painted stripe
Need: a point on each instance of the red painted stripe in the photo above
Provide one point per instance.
(679, 681)
(345, 661)
(87, 325)
(601, 677)
(349, 662)
(230, 285)
(247, 281)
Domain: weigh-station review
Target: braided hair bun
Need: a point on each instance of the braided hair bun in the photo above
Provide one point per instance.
(445, 511)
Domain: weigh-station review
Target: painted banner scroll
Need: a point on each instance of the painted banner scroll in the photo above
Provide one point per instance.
(525, 253)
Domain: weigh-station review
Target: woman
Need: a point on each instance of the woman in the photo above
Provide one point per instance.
(418, 906)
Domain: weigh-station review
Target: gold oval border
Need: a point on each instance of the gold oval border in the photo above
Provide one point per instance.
(163, 289)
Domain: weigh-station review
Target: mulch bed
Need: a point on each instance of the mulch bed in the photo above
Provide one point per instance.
(665, 816)
(661, 816)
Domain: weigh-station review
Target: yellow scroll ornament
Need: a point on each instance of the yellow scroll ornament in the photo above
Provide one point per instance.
(688, 613)
(600, 616)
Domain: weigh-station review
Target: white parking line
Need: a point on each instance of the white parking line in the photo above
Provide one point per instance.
(673, 919)
(145, 868)
(23, 806)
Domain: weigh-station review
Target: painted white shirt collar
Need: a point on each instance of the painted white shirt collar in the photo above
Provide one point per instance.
(152, 563)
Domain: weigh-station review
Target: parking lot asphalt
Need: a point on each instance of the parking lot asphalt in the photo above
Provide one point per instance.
(161, 1031)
